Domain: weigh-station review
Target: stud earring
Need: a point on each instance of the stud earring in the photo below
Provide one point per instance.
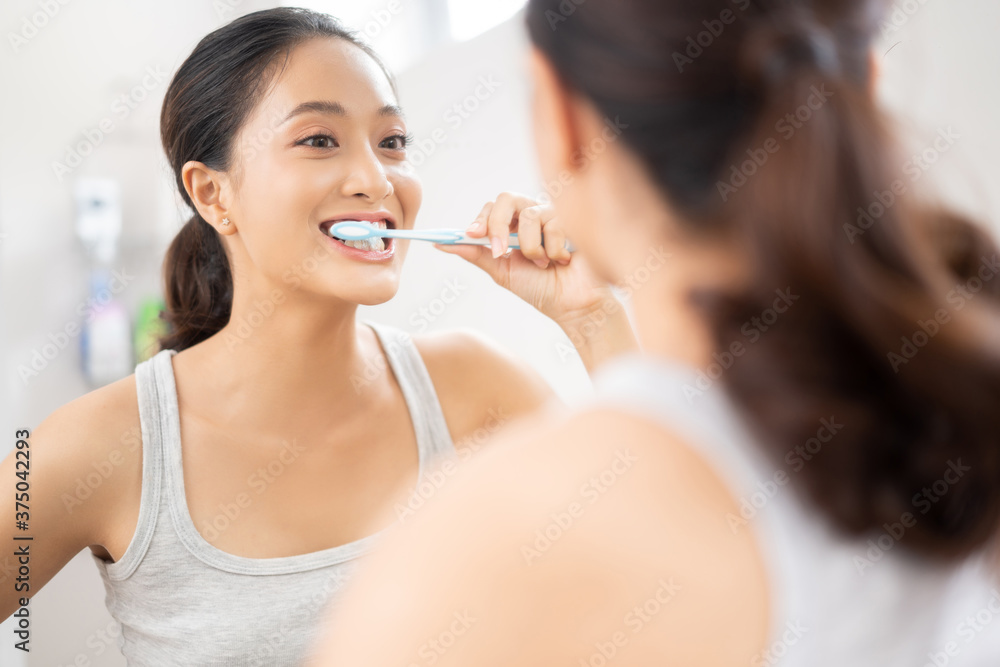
(225, 222)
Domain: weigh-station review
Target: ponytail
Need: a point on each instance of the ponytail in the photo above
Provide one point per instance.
(887, 333)
(199, 285)
(885, 352)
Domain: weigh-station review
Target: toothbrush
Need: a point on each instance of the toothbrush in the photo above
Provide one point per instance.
(356, 230)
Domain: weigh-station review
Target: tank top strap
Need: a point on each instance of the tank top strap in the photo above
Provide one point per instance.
(167, 415)
(154, 429)
(433, 436)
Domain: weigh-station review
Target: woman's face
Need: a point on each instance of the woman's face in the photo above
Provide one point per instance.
(326, 143)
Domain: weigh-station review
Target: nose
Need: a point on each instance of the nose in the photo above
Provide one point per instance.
(366, 177)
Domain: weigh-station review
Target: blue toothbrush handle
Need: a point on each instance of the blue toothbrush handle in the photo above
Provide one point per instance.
(356, 231)
(458, 238)
(514, 243)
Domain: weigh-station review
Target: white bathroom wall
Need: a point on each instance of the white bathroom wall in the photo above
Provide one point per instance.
(64, 80)
(938, 63)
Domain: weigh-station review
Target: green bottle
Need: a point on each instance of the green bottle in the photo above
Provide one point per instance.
(149, 328)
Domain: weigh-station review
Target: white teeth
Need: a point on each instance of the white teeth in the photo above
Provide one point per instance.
(376, 244)
(368, 245)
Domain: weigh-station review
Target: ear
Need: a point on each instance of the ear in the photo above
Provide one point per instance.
(556, 132)
(206, 188)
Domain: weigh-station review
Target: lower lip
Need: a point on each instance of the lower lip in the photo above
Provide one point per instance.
(365, 255)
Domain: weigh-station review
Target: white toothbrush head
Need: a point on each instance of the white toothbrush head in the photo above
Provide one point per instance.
(354, 230)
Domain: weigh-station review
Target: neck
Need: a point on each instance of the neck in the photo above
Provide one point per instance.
(667, 324)
(669, 328)
(291, 356)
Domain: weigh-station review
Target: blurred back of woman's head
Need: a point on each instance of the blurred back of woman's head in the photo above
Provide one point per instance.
(755, 121)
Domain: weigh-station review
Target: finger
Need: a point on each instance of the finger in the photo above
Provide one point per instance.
(555, 242)
(504, 218)
(499, 223)
(478, 227)
(529, 236)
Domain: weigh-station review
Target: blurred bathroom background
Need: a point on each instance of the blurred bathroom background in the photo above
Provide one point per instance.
(87, 203)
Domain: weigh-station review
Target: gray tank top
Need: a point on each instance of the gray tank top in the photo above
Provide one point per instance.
(178, 600)
(836, 600)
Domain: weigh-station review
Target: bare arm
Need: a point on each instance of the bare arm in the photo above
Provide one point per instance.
(69, 477)
(599, 333)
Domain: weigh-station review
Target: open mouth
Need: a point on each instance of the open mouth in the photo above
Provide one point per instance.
(374, 245)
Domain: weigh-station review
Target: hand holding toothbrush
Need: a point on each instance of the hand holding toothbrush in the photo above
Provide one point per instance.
(543, 272)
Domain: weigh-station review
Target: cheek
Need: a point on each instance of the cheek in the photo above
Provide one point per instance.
(274, 204)
(409, 191)
(575, 215)
(598, 242)
(276, 190)
(256, 193)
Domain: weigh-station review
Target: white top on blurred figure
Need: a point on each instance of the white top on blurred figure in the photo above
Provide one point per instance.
(835, 601)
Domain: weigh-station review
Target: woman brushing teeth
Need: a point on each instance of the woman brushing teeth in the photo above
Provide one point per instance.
(278, 126)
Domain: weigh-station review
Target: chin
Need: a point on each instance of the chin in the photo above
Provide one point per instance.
(369, 295)
(370, 286)
(374, 300)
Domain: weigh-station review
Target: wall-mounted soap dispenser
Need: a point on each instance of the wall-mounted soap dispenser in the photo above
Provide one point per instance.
(106, 340)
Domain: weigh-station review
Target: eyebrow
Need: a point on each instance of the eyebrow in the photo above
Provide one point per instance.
(337, 109)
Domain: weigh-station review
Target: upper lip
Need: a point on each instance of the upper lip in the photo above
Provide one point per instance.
(375, 216)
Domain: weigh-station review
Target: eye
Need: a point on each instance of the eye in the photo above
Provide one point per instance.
(319, 141)
(397, 142)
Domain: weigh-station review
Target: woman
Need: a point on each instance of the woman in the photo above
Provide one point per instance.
(222, 550)
(803, 467)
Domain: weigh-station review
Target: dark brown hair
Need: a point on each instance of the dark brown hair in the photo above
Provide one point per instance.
(209, 99)
(880, 337)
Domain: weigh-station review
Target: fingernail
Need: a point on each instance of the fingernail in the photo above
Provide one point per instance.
(497, 247)
(542, 263)
(477, 226)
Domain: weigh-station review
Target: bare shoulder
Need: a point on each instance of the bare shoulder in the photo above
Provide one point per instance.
(477, 381)
(96, 422)
(90, 451)
(570, 535)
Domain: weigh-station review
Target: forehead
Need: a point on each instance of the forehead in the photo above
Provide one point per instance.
(329, 69)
